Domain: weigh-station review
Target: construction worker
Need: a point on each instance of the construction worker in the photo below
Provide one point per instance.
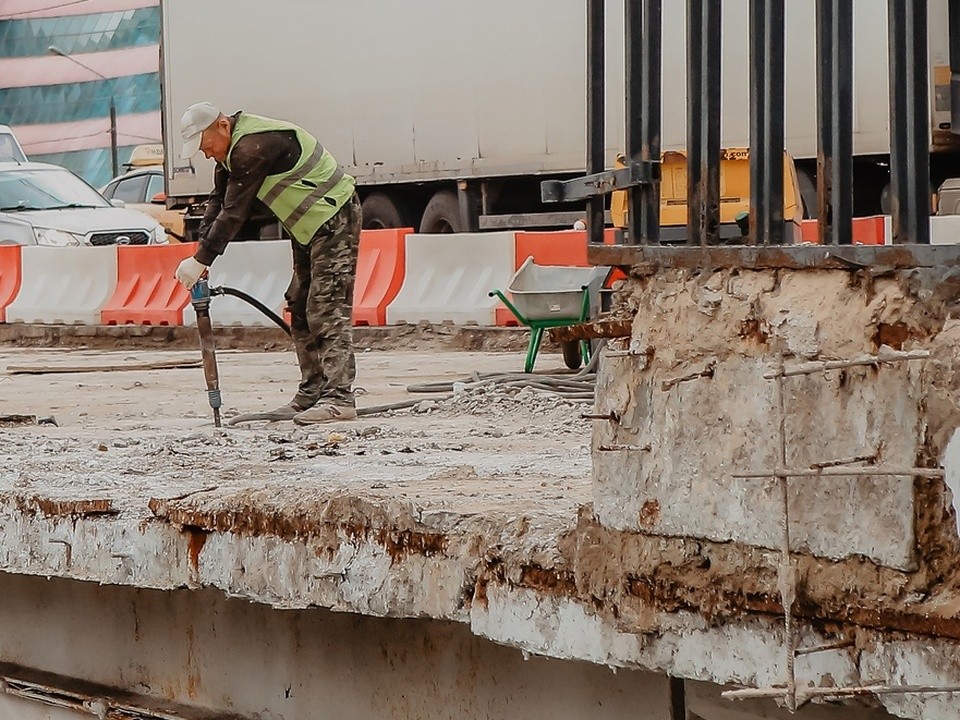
(273, 163)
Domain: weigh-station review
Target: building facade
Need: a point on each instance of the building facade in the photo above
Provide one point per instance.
(61, 63)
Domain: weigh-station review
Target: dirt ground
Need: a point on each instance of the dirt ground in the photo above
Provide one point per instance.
(125, 435)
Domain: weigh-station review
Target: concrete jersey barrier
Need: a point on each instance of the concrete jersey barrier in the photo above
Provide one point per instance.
(261, 269)
(64, 286)
(448, 278)
(945, 229)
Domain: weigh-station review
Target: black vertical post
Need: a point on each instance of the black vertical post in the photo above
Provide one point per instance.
(835, 121)
(678, 699)
(114, 158)
(953, 22)
(703, 122)
(909, 121)
(643, 30)
(766, 122)
(650, 117)
(595, 115)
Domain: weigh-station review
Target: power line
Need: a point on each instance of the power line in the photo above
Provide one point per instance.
(11, 16)
(90, 135)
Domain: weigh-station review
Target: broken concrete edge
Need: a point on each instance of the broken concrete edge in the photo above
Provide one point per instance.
(511, 579)
(749, 653)
(362, 555)
(422, 337)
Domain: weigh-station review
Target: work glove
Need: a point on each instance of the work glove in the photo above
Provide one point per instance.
(189, 271)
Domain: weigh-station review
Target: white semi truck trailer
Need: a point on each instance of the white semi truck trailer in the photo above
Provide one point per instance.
(450, 112)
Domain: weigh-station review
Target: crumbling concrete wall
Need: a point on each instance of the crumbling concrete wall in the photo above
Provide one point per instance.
(204, 650)
(696, 405)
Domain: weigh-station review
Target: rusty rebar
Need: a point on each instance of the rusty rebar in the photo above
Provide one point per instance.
(884, 356)
(879, 471)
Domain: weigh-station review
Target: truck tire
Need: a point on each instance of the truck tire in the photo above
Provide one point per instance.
(570, 349)
(382, 211)
(442, 214)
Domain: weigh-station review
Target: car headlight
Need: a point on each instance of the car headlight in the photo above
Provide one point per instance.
(160, 236)
(55, 238)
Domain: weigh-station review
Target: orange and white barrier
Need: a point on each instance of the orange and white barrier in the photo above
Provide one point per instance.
(874, 230)
(147, 292)
(448, 278)
(64, 286)
(401, 277)
(259, 268)
(9, 276)
(381, 264)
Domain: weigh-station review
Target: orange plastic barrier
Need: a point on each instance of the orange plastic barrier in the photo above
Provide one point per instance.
(566, 247)
(866, 230)
(147, 292)
(10, 275)
(381, 264)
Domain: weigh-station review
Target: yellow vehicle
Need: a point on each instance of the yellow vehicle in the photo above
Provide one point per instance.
(734, 194)
(142, 189)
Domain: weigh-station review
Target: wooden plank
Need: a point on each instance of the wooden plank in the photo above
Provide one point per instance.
(58, 369)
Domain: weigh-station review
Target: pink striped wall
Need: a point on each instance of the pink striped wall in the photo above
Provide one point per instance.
(54, 70)
(29, 9)
(134, 129)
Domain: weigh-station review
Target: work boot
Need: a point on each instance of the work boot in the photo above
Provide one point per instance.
(324, 413)
(286, 412)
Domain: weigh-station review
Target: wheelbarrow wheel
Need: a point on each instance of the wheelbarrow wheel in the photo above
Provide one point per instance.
(571, 354)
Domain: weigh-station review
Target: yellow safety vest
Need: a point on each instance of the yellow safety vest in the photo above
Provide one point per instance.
(307, 195)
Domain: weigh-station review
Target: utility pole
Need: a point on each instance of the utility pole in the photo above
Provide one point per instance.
(115, 162)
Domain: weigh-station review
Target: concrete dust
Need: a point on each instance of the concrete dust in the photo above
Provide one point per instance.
(129, 436)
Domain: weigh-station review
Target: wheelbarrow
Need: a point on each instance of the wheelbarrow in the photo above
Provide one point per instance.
(551, 296)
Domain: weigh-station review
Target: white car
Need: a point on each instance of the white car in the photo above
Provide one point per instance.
(10, 147)
(48, 205)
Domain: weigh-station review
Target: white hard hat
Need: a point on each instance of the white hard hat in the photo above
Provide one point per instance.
(197, 118)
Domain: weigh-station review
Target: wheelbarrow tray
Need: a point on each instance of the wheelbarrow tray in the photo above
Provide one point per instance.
(548, 292)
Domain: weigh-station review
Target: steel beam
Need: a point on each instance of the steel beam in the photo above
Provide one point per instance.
(703, 122)
(790, 257)
(909, 121)
(766, 121)
(643, 78)
(635, 175)
(595, 114)
(835, 121)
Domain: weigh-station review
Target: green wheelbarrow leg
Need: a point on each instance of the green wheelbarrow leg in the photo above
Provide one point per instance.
(536, 336)
(584, 316)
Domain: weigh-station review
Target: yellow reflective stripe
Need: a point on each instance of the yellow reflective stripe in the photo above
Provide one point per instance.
(285, 182)
(313, 198)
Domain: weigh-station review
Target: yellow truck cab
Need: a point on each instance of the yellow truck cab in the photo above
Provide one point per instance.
(734, 195)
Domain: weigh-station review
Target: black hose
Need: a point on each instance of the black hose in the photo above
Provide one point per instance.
(224, 290)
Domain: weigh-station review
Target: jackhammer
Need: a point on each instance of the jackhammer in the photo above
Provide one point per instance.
(200, 296)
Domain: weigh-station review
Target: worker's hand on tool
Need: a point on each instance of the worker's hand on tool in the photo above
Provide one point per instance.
(189, 271)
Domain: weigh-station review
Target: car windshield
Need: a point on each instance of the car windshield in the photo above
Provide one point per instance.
(9, 150)
(45, 189)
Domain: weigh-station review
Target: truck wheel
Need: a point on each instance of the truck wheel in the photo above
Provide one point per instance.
(442, 214)
(382, 211)
(571, 354)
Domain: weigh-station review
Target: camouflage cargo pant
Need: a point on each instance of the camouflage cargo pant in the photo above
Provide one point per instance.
(320, 297)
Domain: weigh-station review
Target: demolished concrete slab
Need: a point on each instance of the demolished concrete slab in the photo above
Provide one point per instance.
(673, 567)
